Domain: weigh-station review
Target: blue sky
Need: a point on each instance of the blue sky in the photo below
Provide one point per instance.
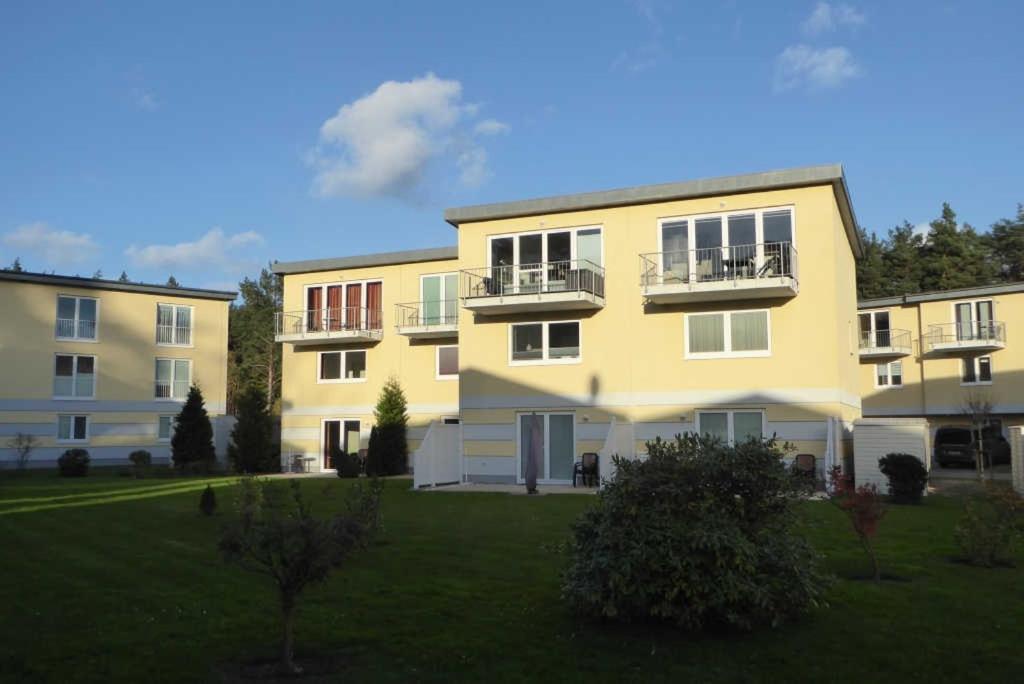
(203, 141)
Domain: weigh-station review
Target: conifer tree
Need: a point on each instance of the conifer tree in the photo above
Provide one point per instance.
(251, 449)
(192, 442)
(1007, 243)
(124, 277)
(173, 282)
(388, 453)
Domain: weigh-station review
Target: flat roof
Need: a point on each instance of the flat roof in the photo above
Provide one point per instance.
(831, 174)
(102, 284)
(409, 256)
(939, 295)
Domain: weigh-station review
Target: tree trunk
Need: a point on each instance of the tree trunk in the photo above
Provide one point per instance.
(288, 637)
(876, 572)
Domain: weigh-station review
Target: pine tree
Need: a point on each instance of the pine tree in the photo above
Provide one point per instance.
(192, 442)
(251, 449)
(952, 257)
(254, 358)
(98, 275)
(173, 282)
(1007, 245)
(901, 262)
(16, 266)
(388, 452)
(123, 278)
(871, 276)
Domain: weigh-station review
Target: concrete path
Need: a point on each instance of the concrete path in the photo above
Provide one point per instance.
(510, 489)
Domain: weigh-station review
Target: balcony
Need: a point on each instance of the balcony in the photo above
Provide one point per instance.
(882, 343)
(720, 273)
(966, 336)
(174, 335)
(427, 320)
(328, 326)
(552, 286)
(75, 329)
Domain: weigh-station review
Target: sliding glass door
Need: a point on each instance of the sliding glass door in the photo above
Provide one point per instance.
(549, 440)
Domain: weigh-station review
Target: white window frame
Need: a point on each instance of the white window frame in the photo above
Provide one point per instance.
(74, 377)
(730, 420)
(78, 302)
(173, 377)
(872, 315)
(343, 358)
(691, 234)
(545, 360)
(344, 298)
(437, 362)
(171, 419)
(71, 439)
(888, 374)
(728, 353)
(572, 230)
(174, 326)
(976, 362)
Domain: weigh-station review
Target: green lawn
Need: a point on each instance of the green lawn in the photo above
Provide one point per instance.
(111, 578)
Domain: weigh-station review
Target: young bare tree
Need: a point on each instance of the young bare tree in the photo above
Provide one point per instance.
(276, 535)
(977, 408)
(23, 445)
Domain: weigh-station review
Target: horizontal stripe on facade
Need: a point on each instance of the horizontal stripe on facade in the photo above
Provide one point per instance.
(46, 457)
(696, 398)
(331, 411)
(99, 406)
(937, 411)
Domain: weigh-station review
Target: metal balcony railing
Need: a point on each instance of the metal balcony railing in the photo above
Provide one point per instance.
(967, 332)
(719, 264)
(574, 275)
(426, 314)
(894, 338)
(173, 334)
(316, 322)
(76, 329)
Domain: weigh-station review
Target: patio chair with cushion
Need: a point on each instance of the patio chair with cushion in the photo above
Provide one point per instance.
(805, 467)
(585, 468)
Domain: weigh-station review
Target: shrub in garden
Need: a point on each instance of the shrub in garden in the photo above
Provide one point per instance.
(192, 442)
(346, 465)
(863, 507)
(208, 501)
(141, 460)
(701, 534)
(22, 444)
(992, 527)
(251, 449)
(388, 450)
(275, 534)
(907, 477)
(73, 463)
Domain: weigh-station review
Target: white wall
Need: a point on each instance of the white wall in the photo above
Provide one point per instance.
(873, 438)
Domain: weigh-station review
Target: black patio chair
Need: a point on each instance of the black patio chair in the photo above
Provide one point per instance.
(585, 468)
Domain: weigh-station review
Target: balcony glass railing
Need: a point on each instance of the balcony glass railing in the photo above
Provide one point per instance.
(426, 314)
(967, 332)
(719, 264)
(574, 275)
(894, 338)
(328, 320)
(76, 329)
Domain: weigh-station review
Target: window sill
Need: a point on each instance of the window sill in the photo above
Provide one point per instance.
(88, 340)
(979, 383)
(342, 381)
(547, 362)
(173, 345)
(446, 377)
(889, 387)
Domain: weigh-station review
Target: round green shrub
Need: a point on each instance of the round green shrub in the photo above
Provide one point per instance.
(907, 477)
(73, 463)
(346, 465)
(701, 535)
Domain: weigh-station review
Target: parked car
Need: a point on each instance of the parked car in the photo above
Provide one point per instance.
(958, 445)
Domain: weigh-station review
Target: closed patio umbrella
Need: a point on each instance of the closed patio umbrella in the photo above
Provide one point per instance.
(533, 452)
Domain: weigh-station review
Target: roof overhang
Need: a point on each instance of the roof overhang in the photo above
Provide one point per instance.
(116, 285)
(410, 256)
(941, 295)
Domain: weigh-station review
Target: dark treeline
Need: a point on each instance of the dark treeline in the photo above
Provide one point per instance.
(949, 256)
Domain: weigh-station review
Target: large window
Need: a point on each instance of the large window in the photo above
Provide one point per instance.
(173, 325)
(447, 362)
(539, 343)
(72, 428)
(874, 329)
(977, 371)
(439, 299)
(974, 320)
(74, 376)
(352, 305)
(889, 374)
(173, 377)
(342, 366)
(77, 317)
(727, 334)
(731, 427)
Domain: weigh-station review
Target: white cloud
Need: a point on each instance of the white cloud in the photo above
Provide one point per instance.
(490, 127)
(802, 65)
(146, 101)
(214, 249)
(827, 17)
(58, 248)
(383, 143)
(472, 165)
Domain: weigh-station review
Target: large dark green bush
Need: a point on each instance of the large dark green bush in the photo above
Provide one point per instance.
(388, 450)
(73, 463)
(346, 465)
(192, 443)
(907, 477)
(700, 534)
(141, 461)
(252, 448)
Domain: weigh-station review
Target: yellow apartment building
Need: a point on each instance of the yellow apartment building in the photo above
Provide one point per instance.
(347, 325)
(929, 354)
(725, 306)
(105, 365)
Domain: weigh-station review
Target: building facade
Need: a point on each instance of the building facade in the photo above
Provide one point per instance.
(105, 365)
(725, 306)
(932, 354)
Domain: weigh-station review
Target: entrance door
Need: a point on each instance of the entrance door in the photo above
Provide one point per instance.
(551, 439)
(331, 439)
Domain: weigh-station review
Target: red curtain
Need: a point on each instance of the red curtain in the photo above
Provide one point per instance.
(314, 303)
(373, 306)
(353, 306)
(334, 312)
